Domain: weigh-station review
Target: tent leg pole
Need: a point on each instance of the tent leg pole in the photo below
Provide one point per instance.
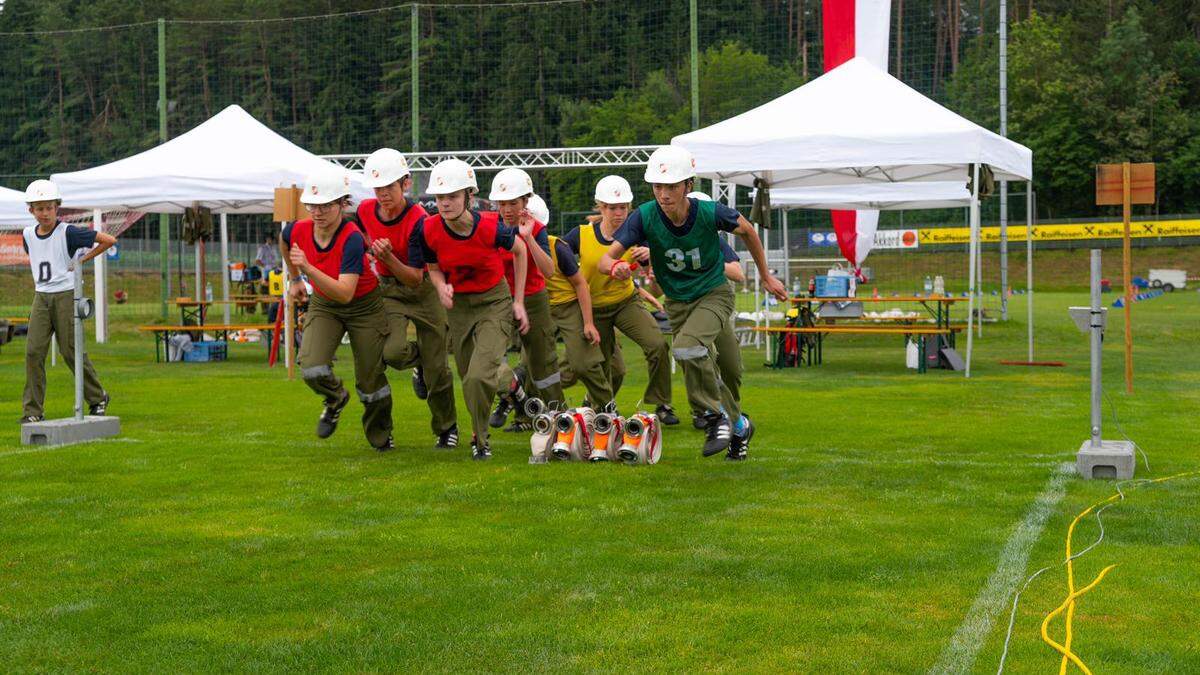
(1029, 197)
(972, 270)
(225, 264)
(787, 252)
(757, 299)
(197, 249)
(101, 283)
(1004, 250)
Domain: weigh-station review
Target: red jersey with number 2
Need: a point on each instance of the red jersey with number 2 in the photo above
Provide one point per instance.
(329, 259)
(397, 231)
(472, 264)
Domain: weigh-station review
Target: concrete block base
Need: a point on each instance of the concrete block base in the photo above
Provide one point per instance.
(70, 430)
(1113, 459)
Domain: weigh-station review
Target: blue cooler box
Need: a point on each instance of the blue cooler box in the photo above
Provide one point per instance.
(832, 287)
(206, 350)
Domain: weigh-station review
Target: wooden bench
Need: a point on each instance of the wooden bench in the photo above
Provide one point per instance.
(815, 351)
(163, 334)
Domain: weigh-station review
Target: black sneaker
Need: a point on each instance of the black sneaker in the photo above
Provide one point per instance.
(716, 434)
(478, 451)
(666, 415)
(499, 416)
(448, 438)
(418, 382)
(30, 419)
(101, 407)
(520, 424)
(327, 423)
(389, 444)
(698, 421)
(740, 445)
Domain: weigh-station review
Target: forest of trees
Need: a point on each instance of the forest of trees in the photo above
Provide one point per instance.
(1089, 80)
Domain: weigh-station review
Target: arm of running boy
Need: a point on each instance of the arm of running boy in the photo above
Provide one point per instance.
(585, 307)
(444, 290)
(650, 298)
(538, 247)
(521, 270)
(745, 230)
(629, 235)
(340, 289)
(382, 250)
(295, 290)
(733, 264)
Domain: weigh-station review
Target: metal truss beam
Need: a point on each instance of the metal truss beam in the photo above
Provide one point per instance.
(530, 158)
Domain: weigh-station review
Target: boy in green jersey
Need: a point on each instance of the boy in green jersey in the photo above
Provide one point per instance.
(685, 253)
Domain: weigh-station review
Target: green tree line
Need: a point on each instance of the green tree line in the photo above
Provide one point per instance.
(1088, 81)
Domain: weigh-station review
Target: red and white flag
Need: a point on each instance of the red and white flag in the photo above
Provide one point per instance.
(855, 28)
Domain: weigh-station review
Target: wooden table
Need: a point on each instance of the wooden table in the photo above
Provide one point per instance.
(196, 310)
(163, 334)
(815, 351)
(938, 306)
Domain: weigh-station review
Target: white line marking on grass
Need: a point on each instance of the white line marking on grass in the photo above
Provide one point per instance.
(959, 655)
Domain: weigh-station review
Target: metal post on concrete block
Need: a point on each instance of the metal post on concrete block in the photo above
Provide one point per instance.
(1098, 458)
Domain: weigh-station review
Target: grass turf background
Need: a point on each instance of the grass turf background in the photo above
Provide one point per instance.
(218, 532)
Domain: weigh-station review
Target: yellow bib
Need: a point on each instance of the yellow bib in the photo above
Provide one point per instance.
(605, 290)
(558, 286)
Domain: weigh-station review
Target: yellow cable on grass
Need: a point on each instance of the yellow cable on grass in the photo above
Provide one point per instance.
(1068, 603)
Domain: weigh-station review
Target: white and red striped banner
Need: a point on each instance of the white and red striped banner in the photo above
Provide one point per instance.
(855, 28)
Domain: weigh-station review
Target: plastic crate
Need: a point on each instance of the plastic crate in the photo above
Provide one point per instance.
(832, 287)
(206, 350)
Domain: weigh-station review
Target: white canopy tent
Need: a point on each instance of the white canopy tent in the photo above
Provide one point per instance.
(14, 213)
(857, 125)
(230, 163)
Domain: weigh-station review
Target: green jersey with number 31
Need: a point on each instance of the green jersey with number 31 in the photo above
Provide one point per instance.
(688, 266)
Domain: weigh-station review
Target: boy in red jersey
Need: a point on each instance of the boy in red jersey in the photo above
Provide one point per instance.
(408, 294)
(462, 250)
(511, 190)
(331, 251)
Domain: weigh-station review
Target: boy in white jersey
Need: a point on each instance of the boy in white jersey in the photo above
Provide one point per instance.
(52, 246)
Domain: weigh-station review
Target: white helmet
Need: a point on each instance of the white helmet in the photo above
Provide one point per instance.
(537, 207)
(326, 185)
(384, 167)
(614, 190)
(452, 175)
(704, 197)
(511, 184)
(670, 164)
(41, 191)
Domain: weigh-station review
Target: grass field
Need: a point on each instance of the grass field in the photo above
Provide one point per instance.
(219, 533)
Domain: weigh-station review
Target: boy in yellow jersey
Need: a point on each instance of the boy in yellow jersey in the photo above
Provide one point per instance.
(616, 304)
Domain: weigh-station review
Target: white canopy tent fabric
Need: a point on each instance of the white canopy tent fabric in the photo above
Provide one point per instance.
(879, 196)
(14, 212)
(856, 124)
(230, 163)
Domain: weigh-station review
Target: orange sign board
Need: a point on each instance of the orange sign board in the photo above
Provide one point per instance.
(287, 205)
(1110, 184)
(12, 250)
